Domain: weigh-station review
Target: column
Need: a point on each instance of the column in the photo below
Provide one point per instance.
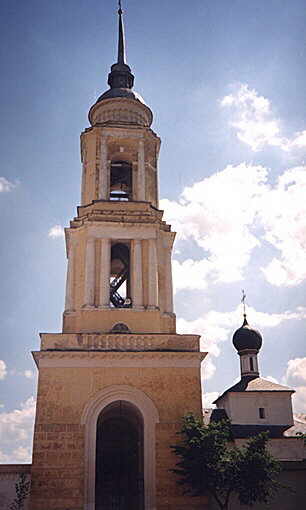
(168, 275)
(89, 293)
(152, 276)
(105, 267)
(69, 302)
(103, 172)
(136, 274)
(141, 176)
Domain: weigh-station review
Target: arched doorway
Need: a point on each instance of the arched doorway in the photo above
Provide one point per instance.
(119, 458)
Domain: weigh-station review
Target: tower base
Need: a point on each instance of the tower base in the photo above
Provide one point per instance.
(86, 378)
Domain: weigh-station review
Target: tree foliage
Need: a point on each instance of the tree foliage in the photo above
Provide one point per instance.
(22, 487)
(209, 462)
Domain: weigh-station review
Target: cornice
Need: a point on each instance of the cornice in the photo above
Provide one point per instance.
(97, 359)
(134, 213)
(119, 342)
(123, 131)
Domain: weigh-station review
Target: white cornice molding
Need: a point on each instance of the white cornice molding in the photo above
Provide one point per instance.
(120, 342)
(95, 359)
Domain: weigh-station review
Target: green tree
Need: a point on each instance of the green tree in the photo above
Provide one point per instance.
(22, 487)
(210, 463)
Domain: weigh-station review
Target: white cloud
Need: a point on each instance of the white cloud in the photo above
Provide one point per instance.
(256, 123)
(6, 185)
(221, 228)
(3, 371)
(295, 377)
(56, 231)
(209, 398)
(216, 327)
(299, 399)
(29, 374)
(283, 217)
(248, 212)
(208, 368)
(16, 432)
(296, 372)
(299, 139)
(191, 274)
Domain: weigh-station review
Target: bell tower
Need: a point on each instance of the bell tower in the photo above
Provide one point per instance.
(115, 383)
(118, 246)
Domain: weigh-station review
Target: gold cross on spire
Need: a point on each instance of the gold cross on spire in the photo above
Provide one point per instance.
(243, 301)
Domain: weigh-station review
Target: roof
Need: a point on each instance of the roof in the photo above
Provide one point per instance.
(255, 384)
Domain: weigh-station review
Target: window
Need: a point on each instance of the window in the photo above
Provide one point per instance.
(262, 413)
(120, 181)
(251, 365)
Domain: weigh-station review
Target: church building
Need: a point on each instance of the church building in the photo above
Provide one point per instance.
(114, 385)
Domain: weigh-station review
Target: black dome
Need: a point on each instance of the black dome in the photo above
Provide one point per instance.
(121, 92)
(247, 338)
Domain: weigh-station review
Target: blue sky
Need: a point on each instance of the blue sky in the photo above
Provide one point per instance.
(225, 81)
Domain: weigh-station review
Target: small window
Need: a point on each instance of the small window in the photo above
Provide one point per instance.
(262, 413)
(251, 364)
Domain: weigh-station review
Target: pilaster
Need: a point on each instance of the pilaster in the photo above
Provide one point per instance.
(105, 262)
(136, 274)
(141, 185)
(69, 302)
(152, 276)
(103, 171)
(90, 267)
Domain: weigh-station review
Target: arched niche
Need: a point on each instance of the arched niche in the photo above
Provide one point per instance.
(144, 410)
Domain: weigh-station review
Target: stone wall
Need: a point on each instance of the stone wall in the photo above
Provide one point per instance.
(69, 382)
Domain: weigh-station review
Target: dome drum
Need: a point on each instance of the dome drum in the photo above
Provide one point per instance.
(120, 110)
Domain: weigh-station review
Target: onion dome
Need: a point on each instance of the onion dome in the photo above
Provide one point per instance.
(247, 338)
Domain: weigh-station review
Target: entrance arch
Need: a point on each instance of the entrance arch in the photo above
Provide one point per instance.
(142, 410)
(119, 458)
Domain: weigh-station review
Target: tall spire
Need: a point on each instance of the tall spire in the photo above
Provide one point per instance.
(120, 76)
(121, 40)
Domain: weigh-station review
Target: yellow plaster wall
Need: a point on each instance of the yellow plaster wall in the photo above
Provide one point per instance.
(126, 138)
(58, 456)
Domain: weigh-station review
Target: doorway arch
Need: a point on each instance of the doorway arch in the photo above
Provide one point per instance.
(147, 410)
(119, 458)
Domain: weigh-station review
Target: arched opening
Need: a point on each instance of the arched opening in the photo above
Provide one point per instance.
(141, 403)
(120, 180)
(120, 276)
(119, 458)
